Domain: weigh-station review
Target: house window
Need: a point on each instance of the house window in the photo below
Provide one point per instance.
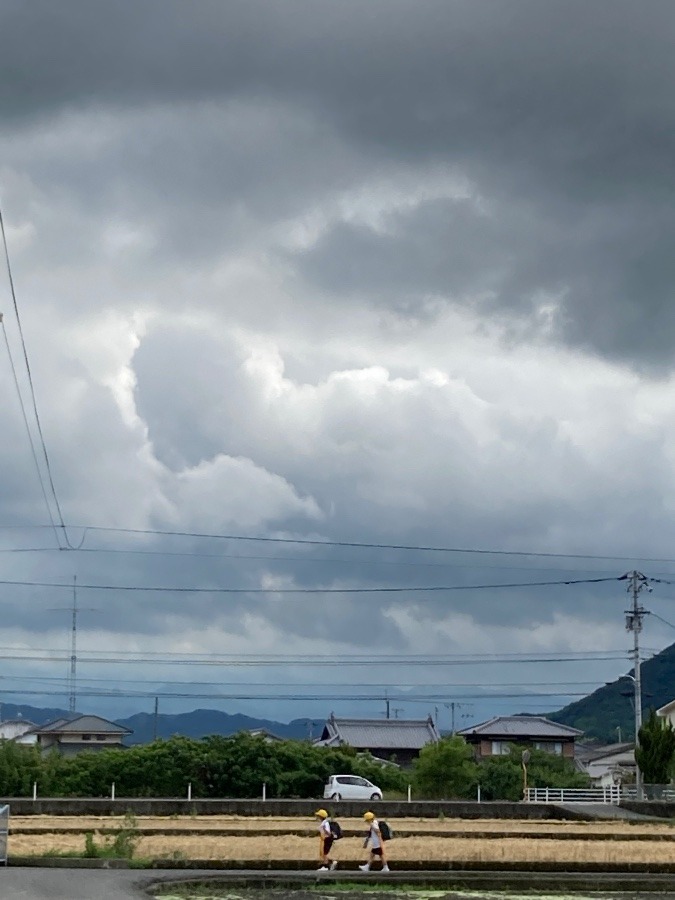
(555, 747)
(500, 748)
(86, 737)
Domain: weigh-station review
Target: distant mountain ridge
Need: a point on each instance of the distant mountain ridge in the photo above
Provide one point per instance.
(197, 724)
(202, 722)
(607, 714)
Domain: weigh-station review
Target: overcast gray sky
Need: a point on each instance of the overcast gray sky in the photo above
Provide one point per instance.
(378, 271)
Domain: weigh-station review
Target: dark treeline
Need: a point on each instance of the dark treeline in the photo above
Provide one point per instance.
(236, 767)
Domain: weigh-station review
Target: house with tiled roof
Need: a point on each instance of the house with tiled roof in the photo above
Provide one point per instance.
(71, 736)
(607, 765)
(496, 736)
(11, 729)
(395, 740)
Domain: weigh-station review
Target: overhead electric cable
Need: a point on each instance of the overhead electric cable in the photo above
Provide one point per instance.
(28, 431)
(31, 387)
(362, 544)
(179, 695)
(176, 695)
(303, 559)
(300, 662)
(360, 590)
(357, 544)
(660, 618)
(399, 685)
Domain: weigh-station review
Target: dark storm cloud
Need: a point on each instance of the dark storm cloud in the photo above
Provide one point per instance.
(301, 268)
(561, 109)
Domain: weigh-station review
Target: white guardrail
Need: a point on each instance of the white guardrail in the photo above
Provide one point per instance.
(4, 831)
(574, 795)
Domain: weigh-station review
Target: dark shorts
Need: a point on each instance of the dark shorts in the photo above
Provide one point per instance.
(327, 844)
(376, 851)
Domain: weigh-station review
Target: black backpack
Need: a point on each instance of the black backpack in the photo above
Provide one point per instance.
(385, 831)
(335, 830)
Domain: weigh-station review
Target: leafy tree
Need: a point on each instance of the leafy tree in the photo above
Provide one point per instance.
(501, 777)
(655, 750)
(446, 770)
(216, 766)
(19, 768)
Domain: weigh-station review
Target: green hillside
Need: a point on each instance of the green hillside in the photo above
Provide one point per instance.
(606, 710)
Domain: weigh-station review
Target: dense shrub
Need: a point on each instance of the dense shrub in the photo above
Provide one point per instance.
(216, 767)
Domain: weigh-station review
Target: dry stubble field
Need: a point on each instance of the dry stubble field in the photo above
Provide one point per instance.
(431, 839)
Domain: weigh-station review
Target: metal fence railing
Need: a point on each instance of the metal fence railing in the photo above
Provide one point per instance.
(664, 792)
(610, 794)
(4, 832)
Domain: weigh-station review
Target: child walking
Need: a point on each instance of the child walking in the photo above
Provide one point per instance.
(374, 837)
(325, 842)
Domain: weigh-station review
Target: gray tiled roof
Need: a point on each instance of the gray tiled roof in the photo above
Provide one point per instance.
(390, 734)
(83, 725)
(520, 727)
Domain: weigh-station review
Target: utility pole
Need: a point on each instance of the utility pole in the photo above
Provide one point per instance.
(154, 719)
(637, 582)
(452, 706)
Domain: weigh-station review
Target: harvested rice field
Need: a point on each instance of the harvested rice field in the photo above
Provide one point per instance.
(404, 827)
(497, 841)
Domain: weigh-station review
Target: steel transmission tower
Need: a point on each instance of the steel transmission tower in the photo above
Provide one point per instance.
(72, 679)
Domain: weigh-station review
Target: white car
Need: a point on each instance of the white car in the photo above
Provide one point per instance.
(350, 787)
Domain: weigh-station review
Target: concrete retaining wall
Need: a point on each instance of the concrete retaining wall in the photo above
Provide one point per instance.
(299, 808)
(658, 808)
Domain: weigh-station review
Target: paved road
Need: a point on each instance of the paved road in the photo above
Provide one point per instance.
(26, 883)
(592, 811)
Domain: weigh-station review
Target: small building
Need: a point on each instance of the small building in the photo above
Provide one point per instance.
(667, 712)
(607, 765)
(268, 736)
(392, 740)
(11, 729)
(494, 737)
(72, 736)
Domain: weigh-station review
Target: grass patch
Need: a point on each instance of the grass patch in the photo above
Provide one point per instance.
(119, 845)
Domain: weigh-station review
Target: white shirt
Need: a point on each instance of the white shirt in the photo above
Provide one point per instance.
(375, 842)
(324, 828)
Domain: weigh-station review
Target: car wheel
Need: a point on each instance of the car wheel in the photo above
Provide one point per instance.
(336, 797)
(376, 796)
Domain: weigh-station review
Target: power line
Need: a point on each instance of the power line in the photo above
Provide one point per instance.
(336, 543)
(289, 558)
(177, 695)
(84, 659)
(314, 590)
(389, 657)
(28, 430)
(660, 618)
(31, 386)
(385, 685)
(366, 545)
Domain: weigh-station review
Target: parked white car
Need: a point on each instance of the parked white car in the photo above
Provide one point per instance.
(350, 787)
